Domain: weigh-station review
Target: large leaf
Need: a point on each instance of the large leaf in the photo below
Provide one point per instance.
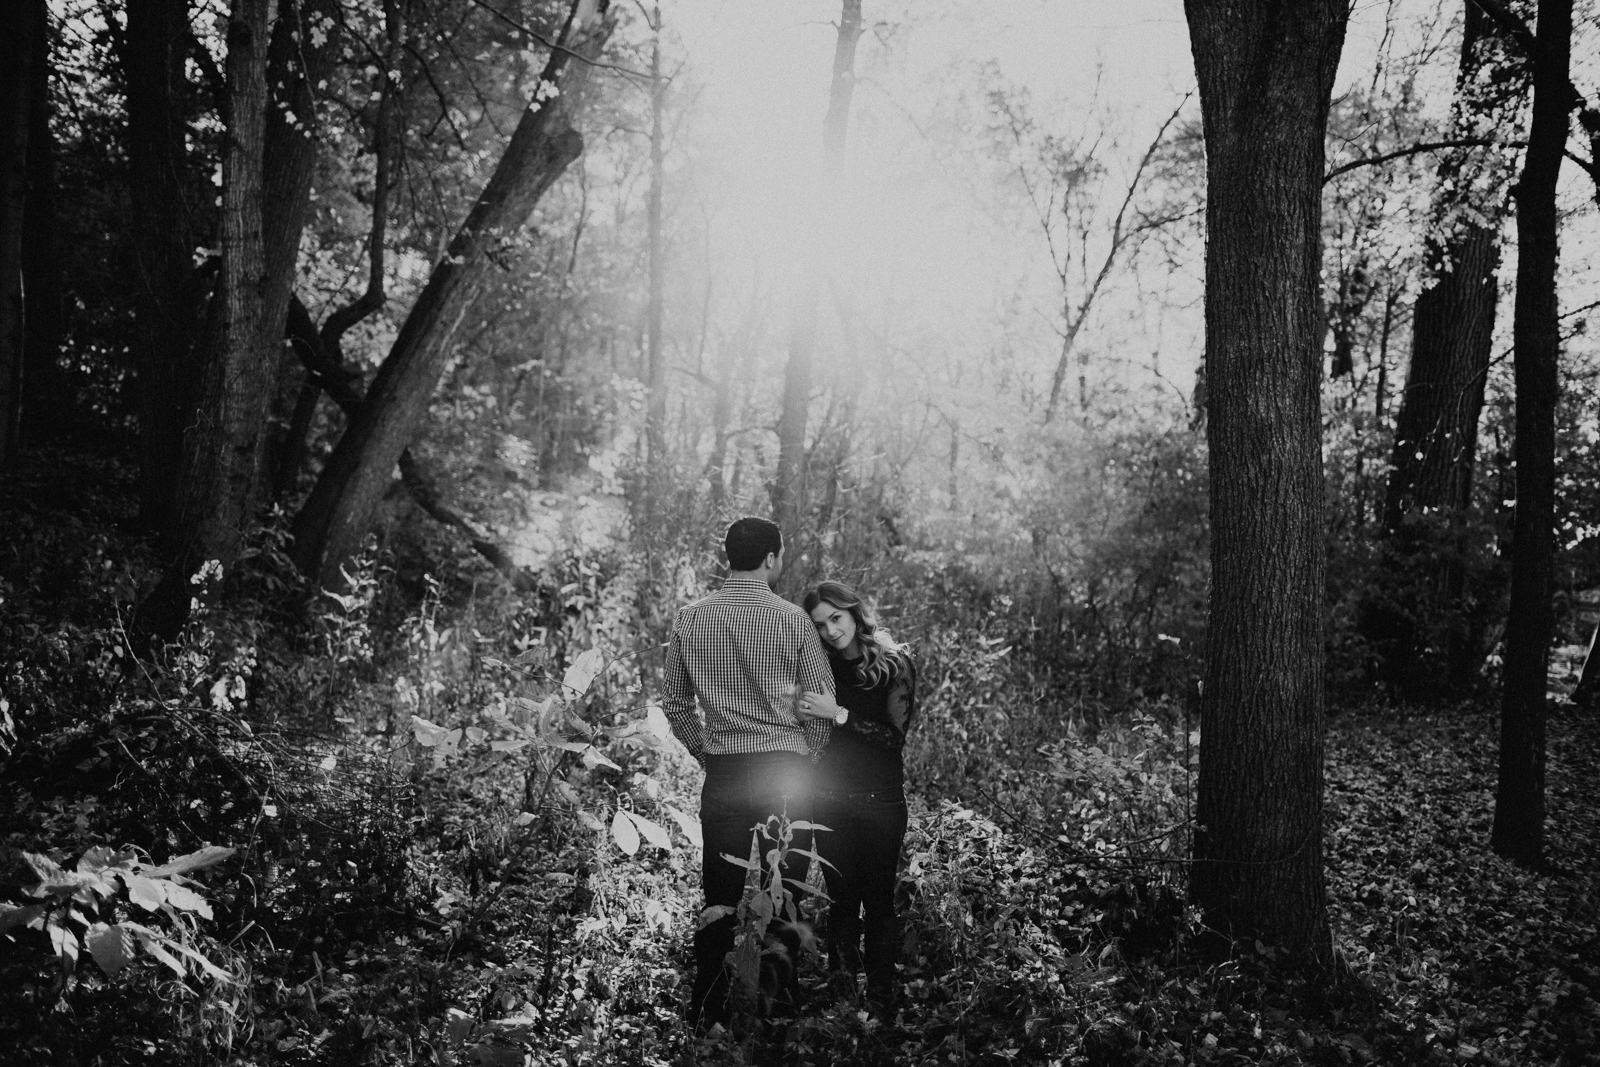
(582, 673)
(657, 723)
(111, 947)
(198, 860)
(21, 915)
(652, 832)
(148, 893)
(688, 824)
(186, 899)
(623, 832)
(428, 733)
(592, 758)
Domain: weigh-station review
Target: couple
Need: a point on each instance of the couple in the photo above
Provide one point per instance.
(746, 653)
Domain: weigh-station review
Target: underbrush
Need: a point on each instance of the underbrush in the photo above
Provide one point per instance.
(460, 833)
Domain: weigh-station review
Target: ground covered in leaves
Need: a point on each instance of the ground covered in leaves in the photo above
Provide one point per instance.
(510, 876)
(1018, 952)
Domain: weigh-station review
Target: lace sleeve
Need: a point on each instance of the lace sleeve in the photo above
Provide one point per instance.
(903, 698)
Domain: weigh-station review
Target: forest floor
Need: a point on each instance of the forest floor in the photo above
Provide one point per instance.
(513, 936)
(1454, 955)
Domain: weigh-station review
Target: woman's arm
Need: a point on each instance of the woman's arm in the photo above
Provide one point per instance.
(903, 696)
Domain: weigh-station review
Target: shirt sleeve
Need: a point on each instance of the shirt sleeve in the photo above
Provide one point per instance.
(903, 697)
(677, 699)
(901, 709)
(815, 677)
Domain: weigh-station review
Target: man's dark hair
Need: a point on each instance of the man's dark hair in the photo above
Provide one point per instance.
(749, 540)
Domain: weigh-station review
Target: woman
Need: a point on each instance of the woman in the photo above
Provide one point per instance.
(860, 787)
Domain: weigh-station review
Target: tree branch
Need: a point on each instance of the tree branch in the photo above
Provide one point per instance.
(1416, 149)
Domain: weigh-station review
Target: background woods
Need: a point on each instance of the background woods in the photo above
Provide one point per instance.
(376, 377)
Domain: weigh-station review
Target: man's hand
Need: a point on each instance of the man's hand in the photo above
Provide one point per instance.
(821, 706)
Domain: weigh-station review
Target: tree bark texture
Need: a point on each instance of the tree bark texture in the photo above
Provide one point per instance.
(24, 51)
(1265, 70)
(788, 482)
(1536, 339)
(167, 205)
(339, 511)
(43, 319)
(222, 446)
(1436, 431)
(324, 371)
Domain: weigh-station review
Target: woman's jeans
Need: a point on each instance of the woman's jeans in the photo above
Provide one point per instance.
(739, 793)
(865, 831)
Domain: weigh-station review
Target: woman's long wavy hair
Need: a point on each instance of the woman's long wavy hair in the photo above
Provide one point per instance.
(883, 659)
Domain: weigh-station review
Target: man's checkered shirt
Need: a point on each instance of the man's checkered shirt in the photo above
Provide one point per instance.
(743, 650)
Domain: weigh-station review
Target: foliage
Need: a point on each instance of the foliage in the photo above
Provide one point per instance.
(75, 906)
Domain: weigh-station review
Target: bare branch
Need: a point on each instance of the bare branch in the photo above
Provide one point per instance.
(1076, 320)
(1417, 149)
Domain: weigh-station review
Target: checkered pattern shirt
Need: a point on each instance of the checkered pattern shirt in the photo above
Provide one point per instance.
(742, 651)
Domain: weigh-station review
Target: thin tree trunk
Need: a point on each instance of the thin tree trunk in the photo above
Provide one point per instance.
(1536, 338)
(339, 511)
(1265, 71)
(656, 412)
(23, 51)
(166, 208)
(1436, 430)
(788, 483)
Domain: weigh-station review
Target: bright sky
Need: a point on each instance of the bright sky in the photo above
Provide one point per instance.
(930, 226)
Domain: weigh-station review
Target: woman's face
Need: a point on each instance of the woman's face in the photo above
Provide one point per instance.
(836, 626)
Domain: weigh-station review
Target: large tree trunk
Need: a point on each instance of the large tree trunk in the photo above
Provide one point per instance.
(166, 207)
(268, 160)
(1265, 71)
(43, 387)
(788, 482)
(23, 51)
(1536, 338)
(1436, 432)
(339, 511)
(221, 447)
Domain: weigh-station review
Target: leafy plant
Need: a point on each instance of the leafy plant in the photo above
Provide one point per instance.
(91, 906)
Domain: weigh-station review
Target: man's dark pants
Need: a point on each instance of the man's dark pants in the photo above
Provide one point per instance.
(740, 792)
(863, 845)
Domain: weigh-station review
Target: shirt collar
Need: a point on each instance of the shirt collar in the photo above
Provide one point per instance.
(746, 583)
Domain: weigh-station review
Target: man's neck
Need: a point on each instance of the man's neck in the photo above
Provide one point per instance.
(760, 575)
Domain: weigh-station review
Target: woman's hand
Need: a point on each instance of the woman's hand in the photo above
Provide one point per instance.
(821, 706)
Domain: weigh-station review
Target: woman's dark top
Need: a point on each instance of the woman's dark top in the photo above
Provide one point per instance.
(863, 755)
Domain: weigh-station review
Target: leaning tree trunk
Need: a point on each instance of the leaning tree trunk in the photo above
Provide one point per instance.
(1265, 71)
(166, 204)
(337, 514)
(788, 482)
(1436, 432)
(1536, 340)
(23, 50)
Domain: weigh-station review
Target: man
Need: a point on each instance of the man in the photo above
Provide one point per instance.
(745, 653)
